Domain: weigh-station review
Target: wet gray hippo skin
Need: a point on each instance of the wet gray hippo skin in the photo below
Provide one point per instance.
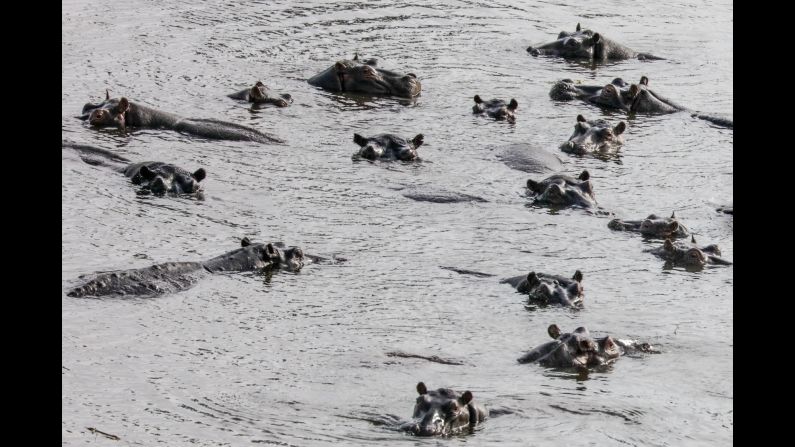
(594, 136)
(529, 158)
(354, 76)
(496, 108)
(563, 190)
(387, 146)
(443, 412)
(689, 255)
(261, 94)
(631, 98)
(176, 276)
(652, 226)
(549, 289)
(585, 44)
(727, 209)
(579, 350)
(154, 176)
(124, 114)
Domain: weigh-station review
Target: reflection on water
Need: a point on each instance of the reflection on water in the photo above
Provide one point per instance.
(300, 359)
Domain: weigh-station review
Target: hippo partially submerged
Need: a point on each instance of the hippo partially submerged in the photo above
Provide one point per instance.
(579, 350)
(652, 226)
(496, 108)
(597, 136)
(388, 146)
(353, 76)
(689, 255)
(443, 412)
(548, 289)
(176, 276)
(261, 94)
(585, 44)
(153, 176)
(563, 190)
(620, 95)
(123, 114)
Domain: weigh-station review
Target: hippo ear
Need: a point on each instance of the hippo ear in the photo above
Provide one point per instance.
(581, 119)
(146, 173)
(421, 388)
(634, 90)
(513, 105)
(124, 105)
(644, 80)
(578, 27)
(418, 140)
(577, 276)
(465, 398)
(554, 331)
(270, 250)
(477, 99)
(356, 56)
(584, 175)
(532, 279)
(673, 226)
(339, 66)
(245, 242)
(596, 38)
(693, 238)
(668, 245)
(259, 84)
(107, 95)
(360, 140)
(200, 174)
(620, 128)
(532, 185)
(673, 215)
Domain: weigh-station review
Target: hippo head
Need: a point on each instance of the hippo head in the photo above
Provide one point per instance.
(290, 259)
(496, 108)
(581, 44)
(388, 146)
(560, 190)
(607, 351)
(110, 113)
(549, 289)
(439, 412)
(688, 256)
(260, 94)
(659, 226)
(643, 100)
(594, 136)
(364, 77)
(173, 181)
(575, 349)
(615, 95)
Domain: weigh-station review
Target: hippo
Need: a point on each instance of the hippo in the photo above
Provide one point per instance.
(597, 136)
(353, 76)
(562, 190)
(692, 256)
(444, 412)
(585, 44)
(579, 350)
(261, 94)
(726, 209)
(123, 114)
(387, 146)
(652, 226)
(496, 108)
(152, 176)
(529, 158)
(634, 98)
(177, 276)
(548, 289)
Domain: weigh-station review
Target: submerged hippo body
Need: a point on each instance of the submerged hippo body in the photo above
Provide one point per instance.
(563, 190)
(652, 226)
(530, 158)
(176, 276)
(124, 114)
(261, 94)
(387, 146)
(631, 98)
(549, 289)
(354, 76)
(496, 108)
(689, 255)
(584, 44)
(579, 350)
(443, 412)
(154, 176)
(596, 136)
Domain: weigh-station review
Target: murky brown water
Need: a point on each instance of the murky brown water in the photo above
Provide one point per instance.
(300, 359)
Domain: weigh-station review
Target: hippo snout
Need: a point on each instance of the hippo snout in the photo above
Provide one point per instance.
(533, 51)
(369, 152)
